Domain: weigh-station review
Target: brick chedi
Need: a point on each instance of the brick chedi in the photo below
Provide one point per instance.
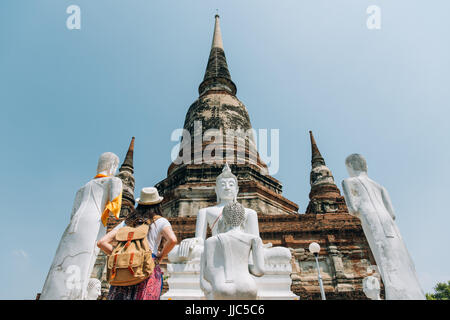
(218, 130)
(325, 196)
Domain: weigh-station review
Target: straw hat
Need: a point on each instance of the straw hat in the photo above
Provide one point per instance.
(149, 195)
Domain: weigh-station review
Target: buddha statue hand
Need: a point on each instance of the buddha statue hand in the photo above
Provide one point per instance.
(267, 245)
(187, 245)
(276, 255)
(188, 250)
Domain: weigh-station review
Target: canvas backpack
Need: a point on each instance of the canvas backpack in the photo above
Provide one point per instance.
(131, 260)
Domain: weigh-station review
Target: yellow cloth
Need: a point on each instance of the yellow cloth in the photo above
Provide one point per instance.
(113, 207)
(100, 176)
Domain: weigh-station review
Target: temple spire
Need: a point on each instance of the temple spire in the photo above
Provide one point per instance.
(217, 38)
(126, 175)
(324, 196)
(128, 162)
(316, 157)
(217, 77)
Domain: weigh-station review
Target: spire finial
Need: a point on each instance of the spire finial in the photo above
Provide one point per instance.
(217, 77)
(217, 38)
(226, 168)
(226, 173)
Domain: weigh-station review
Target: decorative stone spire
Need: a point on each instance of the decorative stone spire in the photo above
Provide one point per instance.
(217, 77)
(126, 175)
(317, 158)
(191, 179)
(325, 196)
(217, 38)
(128, 162)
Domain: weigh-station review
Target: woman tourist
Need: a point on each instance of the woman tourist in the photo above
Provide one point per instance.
(148, 211)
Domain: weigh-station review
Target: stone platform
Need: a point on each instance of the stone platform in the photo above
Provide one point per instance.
(184, 282)
(344, 257)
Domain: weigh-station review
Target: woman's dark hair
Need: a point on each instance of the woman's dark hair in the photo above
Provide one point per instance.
(142, 214)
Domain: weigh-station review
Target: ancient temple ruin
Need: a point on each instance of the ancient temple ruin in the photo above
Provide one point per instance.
(345, 254)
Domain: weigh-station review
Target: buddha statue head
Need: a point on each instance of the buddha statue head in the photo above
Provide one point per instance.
(233, 215)
(94, 289)
(108, 162)
(355, 164)
(226, 185)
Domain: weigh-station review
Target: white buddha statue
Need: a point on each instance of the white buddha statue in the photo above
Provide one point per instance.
(94, 289)
(190, 250)
(225, 272)
(77, 251)
(370, 202)
(184, 267)
(371, 288)
(371, 284)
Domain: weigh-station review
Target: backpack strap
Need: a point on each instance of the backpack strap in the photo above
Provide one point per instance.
(129, 238)
(130, 263)
(113, 275)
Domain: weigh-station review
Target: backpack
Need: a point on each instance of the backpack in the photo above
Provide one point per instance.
(131, 260)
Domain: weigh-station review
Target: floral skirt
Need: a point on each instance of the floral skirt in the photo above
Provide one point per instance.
(150, 289)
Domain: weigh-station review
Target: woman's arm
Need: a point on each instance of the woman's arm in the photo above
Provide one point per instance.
(171, 241)
(105, 243)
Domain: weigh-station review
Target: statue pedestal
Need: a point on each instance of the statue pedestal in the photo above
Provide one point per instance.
(276, 283)
(184, 282)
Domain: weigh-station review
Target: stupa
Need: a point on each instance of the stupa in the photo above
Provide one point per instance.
(190, 186)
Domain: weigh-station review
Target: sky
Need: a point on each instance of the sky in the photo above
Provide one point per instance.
(134, 67)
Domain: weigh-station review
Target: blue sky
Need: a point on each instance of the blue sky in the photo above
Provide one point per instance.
(134, 68)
